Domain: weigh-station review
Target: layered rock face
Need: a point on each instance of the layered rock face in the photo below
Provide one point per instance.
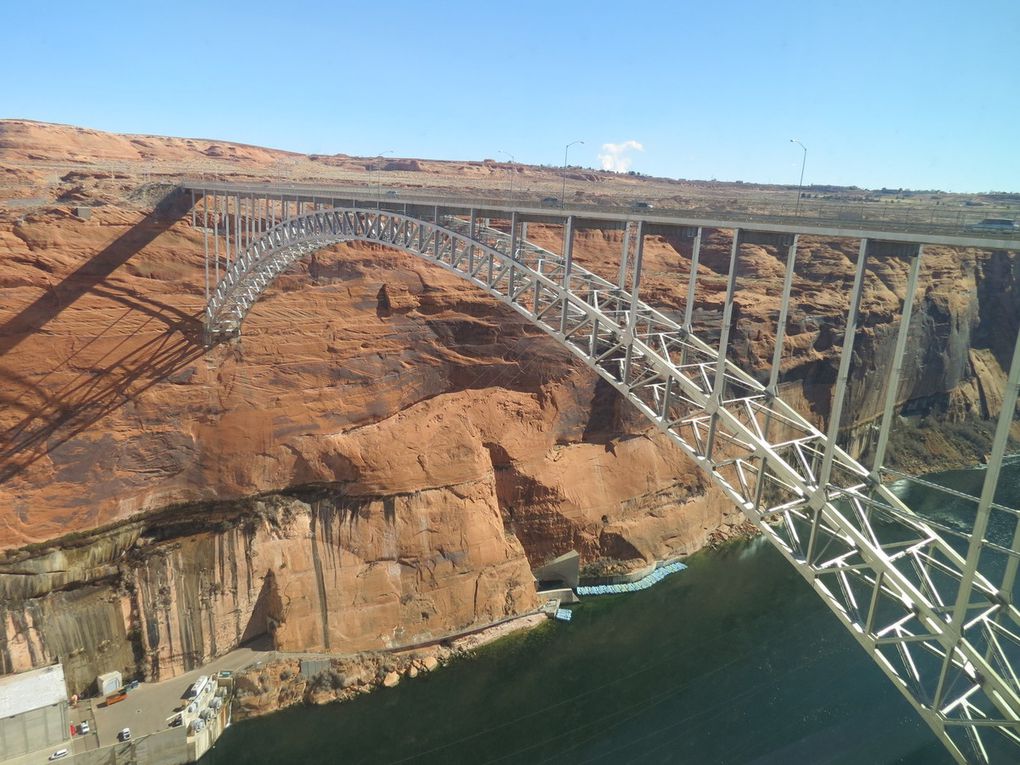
(321, 572)
(412, 448)
(331, 573)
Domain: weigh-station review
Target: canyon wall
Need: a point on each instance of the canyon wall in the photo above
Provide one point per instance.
(378, 460)
(965, 319)
(385, 452)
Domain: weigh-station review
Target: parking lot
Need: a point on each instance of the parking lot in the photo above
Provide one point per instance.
(148, 707)
(145, 710)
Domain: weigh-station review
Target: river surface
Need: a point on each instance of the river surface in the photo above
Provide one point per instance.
(734, 660)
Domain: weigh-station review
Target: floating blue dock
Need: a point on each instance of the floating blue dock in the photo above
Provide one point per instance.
(641, 584)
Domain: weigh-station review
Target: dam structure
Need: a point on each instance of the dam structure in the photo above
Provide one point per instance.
(931, 603)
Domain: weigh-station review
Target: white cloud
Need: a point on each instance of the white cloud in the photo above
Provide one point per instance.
(615, 157)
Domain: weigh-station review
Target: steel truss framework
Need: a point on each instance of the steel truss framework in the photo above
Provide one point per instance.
(943, 633)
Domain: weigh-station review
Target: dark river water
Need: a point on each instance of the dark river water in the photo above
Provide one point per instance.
(734, 660)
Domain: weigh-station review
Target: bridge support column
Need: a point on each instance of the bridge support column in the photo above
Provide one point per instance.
(836, 413)
(718, 386)
(692, 282)
(845, 359)
(471, 247)
(226, 232)
(892, 386)
(691, 285)
(568, 264)
(238, 242)
(235, 233)
(205, 241)
(512, 283)
(490, 262)
(216, 238)
(635, 289)
(621, 280)
(777, 359)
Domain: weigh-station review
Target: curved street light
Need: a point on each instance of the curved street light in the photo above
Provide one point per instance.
(512, 162)
(802, 164)
(563, 188)
(378, 179)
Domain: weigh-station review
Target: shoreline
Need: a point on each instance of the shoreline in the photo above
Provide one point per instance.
(284, 680)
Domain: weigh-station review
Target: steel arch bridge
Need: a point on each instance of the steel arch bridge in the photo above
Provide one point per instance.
(943, 632)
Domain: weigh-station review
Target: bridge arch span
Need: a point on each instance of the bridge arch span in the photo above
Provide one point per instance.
(881, 569)
(292, 239)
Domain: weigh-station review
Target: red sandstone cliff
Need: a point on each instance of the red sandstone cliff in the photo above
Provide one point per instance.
(384, 453)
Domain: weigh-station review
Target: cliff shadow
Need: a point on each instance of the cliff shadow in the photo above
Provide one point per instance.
(173, 340)
(265, 615)
(37, 314)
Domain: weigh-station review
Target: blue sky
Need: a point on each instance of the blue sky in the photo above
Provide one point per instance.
(882, 92)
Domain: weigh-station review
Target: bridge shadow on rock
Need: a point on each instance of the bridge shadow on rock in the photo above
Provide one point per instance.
(164, 342)
(93, 272)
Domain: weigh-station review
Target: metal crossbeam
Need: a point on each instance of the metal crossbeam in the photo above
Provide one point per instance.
(944, 634)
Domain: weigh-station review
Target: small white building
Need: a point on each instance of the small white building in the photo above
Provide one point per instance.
(109, 682)
(33, 711)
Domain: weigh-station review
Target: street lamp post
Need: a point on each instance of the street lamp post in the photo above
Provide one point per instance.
(803, 163)
(563, 188)
(378, 179)
(512, 161)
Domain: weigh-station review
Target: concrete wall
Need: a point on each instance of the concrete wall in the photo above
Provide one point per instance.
(109, 755)
(564, 569)
(38, 729)
(168, 747)
(311, 667)
(204, 740)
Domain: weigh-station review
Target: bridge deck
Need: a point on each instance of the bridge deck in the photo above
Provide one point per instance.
(891, 231)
